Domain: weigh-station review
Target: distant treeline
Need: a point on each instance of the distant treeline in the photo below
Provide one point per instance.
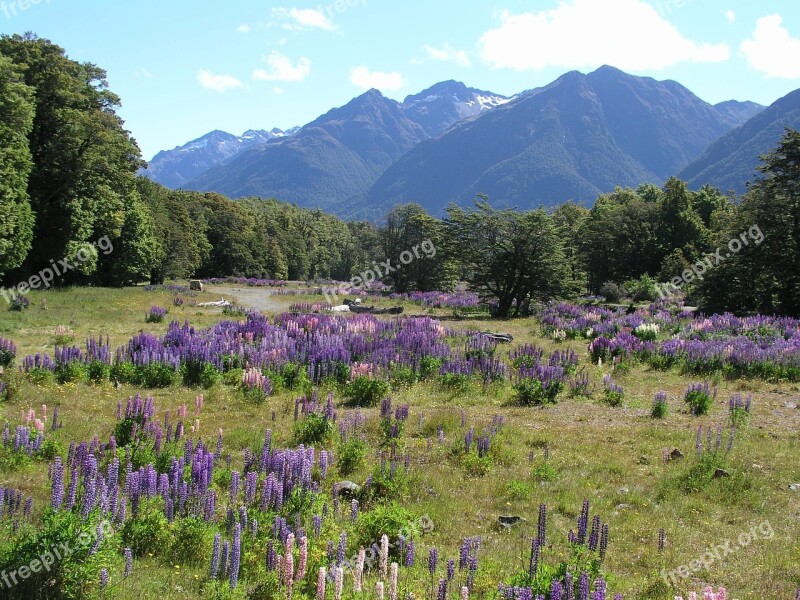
(68, 179)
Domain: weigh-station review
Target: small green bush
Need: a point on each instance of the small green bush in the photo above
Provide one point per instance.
(350, 455)
(531, 392)
(147, 533)
(190, 540)
(363, 391)
(314, 428)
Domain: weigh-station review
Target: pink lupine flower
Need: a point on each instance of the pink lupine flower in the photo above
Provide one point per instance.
(379, 591)
(338, 582)
(393, 581)
(358, 572)
(288, 568)
(321, 584)
(383, 556)
(301, 564)
(464, 593)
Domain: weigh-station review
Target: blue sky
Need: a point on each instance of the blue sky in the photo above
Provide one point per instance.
(184, 68)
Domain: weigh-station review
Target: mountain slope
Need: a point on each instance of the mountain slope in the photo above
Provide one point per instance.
(334, 158)
(730, 162)
(174, 168)
(573, 139)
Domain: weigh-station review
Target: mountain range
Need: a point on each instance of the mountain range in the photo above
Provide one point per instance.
(582, 135)
(175, 168)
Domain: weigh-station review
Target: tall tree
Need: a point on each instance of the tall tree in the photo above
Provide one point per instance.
(512, 258)
(84, 159)
(16, 121)
(414, 242)
(762, 270)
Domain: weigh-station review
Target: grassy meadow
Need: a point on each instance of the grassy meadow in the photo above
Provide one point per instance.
(558, 455)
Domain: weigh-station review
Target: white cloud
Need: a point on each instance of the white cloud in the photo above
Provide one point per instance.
(306, 18)
(142, 72)
(448, 54)
(628, 34)
(366, 79)
(282, 69)
(730, 16)
(278, 91)
(244, 28)
(218, 83)
(772, 50)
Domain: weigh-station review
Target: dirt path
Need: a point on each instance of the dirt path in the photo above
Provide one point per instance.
(249, 297)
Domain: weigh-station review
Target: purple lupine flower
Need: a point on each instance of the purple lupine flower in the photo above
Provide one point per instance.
(533, 562)
(433, 560)
(569, 589)
(594, 536)
(662, 536)
(236, 556)
(442, 591)
(603, 541)
(354, 510)
(103, 578)
(316, 525)
(583, 522)
(542, 526)
(129, 561)
(555, 590)
(409, 558)
(583, 586)
(451, 569)
(214, 556)
(58, 484)
(341, 549)
(599, 589)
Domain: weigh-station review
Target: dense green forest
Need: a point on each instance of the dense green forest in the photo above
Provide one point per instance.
(68, 180)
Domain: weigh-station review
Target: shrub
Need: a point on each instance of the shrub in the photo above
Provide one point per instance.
(699, 397)
(613, 394)
(363, 391)
(19, 303)
(429, 366)
(67, 576)
(97, 371)
(147, 532)
(157, 314)
(611, 291)
(642, 289)
(544, 472)
(739, 410)
(477, 466)
(234, 310)
(531, 392)
(70, 372)
(350, 455)
(517, 490)
(660, 406)
(389, 519)
(63, 336)
(155, 375)
(315, 428)
(189, 540)
(123, 372)
(8, 352)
